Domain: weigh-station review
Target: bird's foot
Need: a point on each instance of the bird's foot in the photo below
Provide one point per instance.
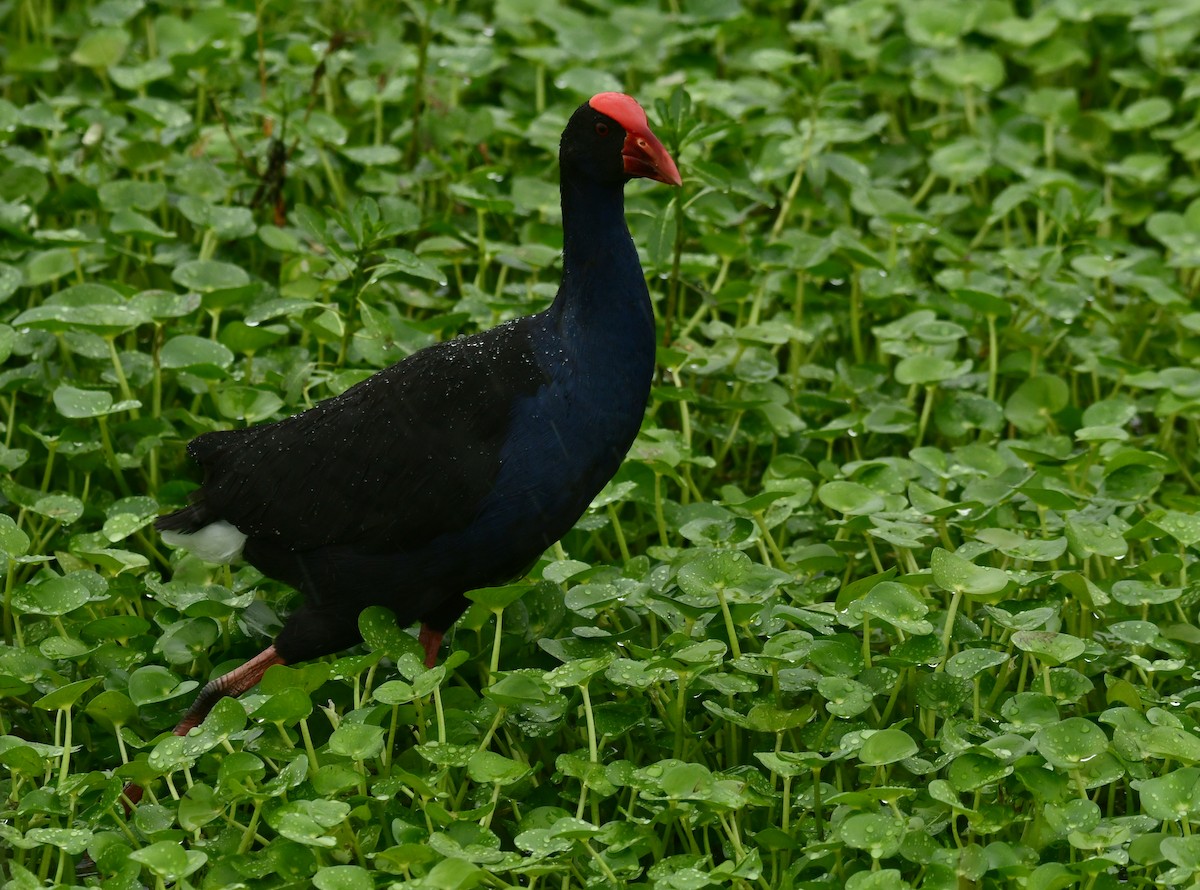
(233, 683)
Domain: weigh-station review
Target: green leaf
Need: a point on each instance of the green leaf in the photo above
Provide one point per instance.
(206, 276)
(246, 403)
(343, 877)
(969, 663)
(898, 605)
(398, 260)
(127, 222)
(111, 707)
(942, 693)
(71, 841)
(65, 696)
(84, 403)
(101, 48)
(1183, 527)
(1171, 742)
(1183, 851)
(161, 112)
(887, 746)
(843, 696)
(661, 244)
(85, 307)
(381, 633)
(169, 860)
(958, 575)
(358, 741)
(286, 706)
(187, 351)
(56, 596)
(961, 161)
(726, 570)
(154, 683)
(1019, 547)
(497, 598)
(1050, 648)
(971, 68)
(198, 807)
(971, 771)
(486, 766)
(1172, 797)
(373, 155)
(1086, 537)
(1070, 743)
(1034, 403)
(131, 194)
(13, 541)
(876, 834)
(850, 498)
(928, 370)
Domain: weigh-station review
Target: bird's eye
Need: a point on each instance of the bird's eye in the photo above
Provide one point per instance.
(601, 128)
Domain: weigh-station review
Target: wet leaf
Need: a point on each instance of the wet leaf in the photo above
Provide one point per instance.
(953, 573)
(1071, 743)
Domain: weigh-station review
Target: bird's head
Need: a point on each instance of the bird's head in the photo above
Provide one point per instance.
(608, 138)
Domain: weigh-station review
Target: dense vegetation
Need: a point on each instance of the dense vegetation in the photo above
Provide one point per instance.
(898, 586)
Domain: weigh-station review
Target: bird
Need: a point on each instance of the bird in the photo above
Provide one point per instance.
(456, 467)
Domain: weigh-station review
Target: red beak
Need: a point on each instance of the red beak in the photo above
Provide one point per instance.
(645, 156)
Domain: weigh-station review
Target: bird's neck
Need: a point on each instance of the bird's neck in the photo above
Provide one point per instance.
(603, 286)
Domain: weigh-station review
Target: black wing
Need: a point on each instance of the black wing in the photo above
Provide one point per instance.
(393, 462)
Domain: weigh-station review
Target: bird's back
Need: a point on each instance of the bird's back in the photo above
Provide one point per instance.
(402, 457)
(493, 444)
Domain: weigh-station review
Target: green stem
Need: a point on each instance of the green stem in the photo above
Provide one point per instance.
(618, 532)
(856, 319)
(730, 627)
(441, 715)
(926, 409)
(64, 768)
(948, 630)
(659, 516)
(110, 457)
(119, 371)
(494, 666)
(993, 358)
(593, 747)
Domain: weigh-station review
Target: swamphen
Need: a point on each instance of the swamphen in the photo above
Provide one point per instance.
(457, 467)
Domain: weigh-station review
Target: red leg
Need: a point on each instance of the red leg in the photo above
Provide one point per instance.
(234, 683)
(431, 640)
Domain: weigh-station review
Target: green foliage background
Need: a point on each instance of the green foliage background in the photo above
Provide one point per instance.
(897, 587)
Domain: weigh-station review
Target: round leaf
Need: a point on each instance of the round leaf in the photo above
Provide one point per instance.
(1052, 648)
(486, 766)
(877, 834)
(1033, 404)
(850, 498)
(1070, 744)
(971, 662)
(887, 746)
(958, 575)
(187, 351)
(65, 696)
(57, 596)
(169, 860)
(206, 276)
(343, 877)
(358, 741)
(898, 605)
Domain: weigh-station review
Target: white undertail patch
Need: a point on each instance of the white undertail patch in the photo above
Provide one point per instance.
(217, 542)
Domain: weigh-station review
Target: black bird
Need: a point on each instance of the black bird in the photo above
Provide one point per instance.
(457, 467)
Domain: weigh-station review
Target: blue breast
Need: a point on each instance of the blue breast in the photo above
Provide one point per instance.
(568, 438)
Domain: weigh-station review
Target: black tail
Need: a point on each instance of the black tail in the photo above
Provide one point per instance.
(189, 519)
